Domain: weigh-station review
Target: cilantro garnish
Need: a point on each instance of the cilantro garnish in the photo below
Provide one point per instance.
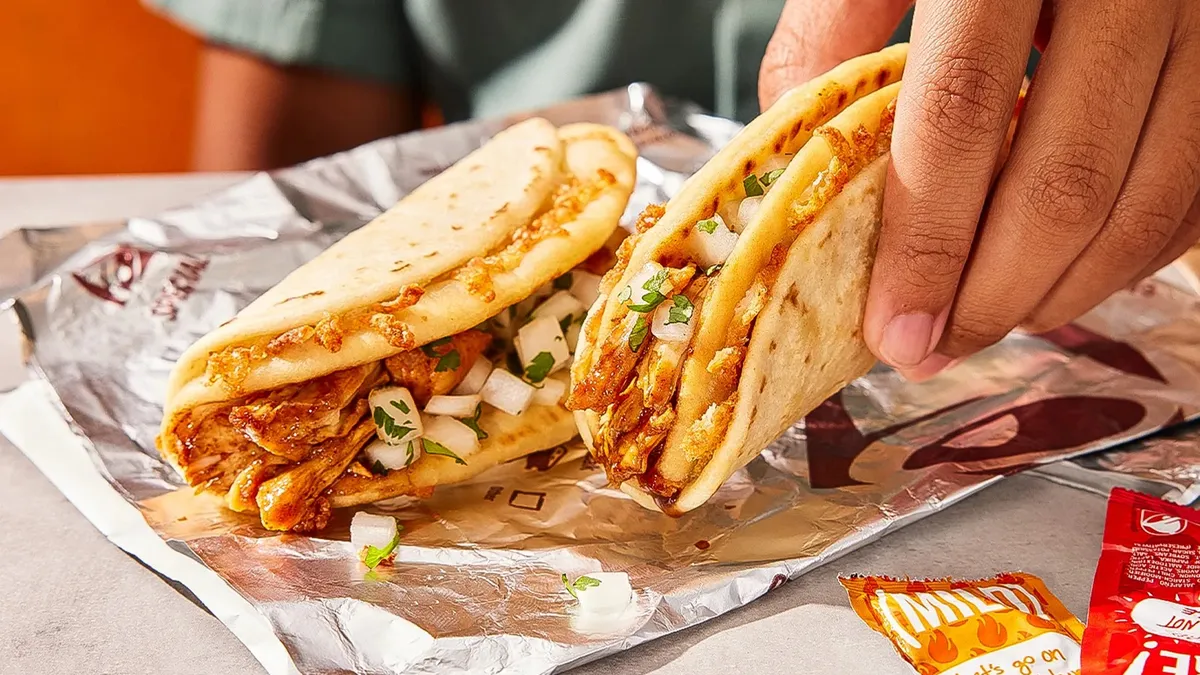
(402, 407)
(771, 176)
(449, 361)
(681, 312)
(385, 421)
(712, 269)
(653, 295)
(752, 186)
(638, 335)
(563, 283)
(430, 349)
(473, 423)
(378, 468)
(539, 367)
(373, 556)
(434, 448)
(707, 226)
(581, 584)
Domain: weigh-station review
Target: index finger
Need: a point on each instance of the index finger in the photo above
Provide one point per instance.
(964, 71)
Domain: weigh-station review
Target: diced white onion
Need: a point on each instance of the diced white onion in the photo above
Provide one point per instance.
(746, 212)
(368, 529)
(712, 249)
(551, 392)
(476, 376)
(610, 596)
(559, 306)
(507, 392)
(671, 332)
(396, 404)
(542, 335)
(454, 435)
(635, 293)
(585, 286)
(393, 456)
(454, 406)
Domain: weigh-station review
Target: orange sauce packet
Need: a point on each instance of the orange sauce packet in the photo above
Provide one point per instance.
(1009, 624)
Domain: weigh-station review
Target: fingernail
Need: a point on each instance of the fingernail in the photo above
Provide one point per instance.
(932, 365)
(906, 340)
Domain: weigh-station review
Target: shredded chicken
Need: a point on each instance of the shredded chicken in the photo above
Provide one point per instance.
(438, 367)
(616, 359)
(292, 500)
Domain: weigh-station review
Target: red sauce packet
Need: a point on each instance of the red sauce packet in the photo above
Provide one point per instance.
(1144, 617)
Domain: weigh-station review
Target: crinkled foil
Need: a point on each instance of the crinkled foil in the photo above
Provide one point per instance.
(475, 587)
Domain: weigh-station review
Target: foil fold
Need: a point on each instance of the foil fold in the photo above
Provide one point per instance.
(475, 586)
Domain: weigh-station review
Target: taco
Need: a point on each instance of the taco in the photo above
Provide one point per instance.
(421, 349)
(738, 306)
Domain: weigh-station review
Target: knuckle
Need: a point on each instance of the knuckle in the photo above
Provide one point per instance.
(1071, 188)
(931, 257)
(1141, 222)
(969, 332)
(965, 96)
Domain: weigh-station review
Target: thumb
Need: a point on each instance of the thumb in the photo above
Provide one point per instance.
(813, 36)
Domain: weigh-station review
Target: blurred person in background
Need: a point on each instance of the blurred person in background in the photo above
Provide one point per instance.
(287, 80)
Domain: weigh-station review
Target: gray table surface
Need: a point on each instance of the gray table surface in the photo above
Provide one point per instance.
(72, 602)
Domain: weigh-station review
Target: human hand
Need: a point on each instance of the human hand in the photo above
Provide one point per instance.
(1100, 187)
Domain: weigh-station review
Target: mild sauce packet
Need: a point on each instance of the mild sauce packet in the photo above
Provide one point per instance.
(1008, 624)
(1144, 617)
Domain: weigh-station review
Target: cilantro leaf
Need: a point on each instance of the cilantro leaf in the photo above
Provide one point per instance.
(707, 226)
(653, 295)
(434, 448)
(388, 423)
(638, 335)
(378, 468)
(539, 367)
(563, 283)
(580, 584)
(430, 349)
(771, 176)
(752, 186)
(473, 423)
(372, 556)
(449, 361)
(681, 312)
(402, 407)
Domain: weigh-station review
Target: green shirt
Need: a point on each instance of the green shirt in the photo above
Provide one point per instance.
(479, 58)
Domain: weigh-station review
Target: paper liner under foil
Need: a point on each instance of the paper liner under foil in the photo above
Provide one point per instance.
(476, 582)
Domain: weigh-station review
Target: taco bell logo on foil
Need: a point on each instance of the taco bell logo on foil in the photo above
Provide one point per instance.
(111, 278)
(1161, 524)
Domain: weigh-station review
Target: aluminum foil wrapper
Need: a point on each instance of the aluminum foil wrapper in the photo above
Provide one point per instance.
(475, 586)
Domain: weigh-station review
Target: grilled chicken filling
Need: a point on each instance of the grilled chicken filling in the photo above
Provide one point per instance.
(632, 385)
(276, 453)
(279, 453)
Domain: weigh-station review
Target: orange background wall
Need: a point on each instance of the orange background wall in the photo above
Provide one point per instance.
(93, 86)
